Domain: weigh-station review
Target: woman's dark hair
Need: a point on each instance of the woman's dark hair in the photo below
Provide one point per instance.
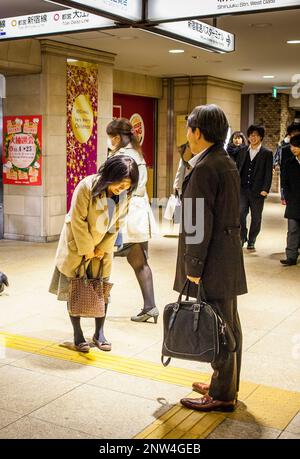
(237, 134)
(123, 128)
(211, 121)
(294, 127)
(295, 140)
(256, 127)
(115, 169)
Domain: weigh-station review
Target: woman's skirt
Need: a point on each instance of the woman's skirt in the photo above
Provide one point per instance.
(60, 285)
(125, 249)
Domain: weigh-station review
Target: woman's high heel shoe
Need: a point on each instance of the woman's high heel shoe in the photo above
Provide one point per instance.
(145, 316)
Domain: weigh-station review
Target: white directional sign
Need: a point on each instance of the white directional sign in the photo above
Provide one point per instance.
(198, 34)
(124, 9)
(51, 23)
(161, 10)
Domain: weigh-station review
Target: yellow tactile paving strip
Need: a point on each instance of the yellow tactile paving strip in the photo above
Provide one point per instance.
(267, 406)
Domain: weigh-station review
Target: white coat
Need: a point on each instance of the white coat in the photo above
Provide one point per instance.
(139, 223)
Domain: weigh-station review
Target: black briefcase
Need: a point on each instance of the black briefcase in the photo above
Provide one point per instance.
(193, 330)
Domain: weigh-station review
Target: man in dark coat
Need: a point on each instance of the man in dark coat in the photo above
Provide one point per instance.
(290, 182)
(255, 165)
(285, 152)
(209, 248)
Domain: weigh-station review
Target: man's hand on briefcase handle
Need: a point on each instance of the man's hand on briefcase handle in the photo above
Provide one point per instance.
(196, 280)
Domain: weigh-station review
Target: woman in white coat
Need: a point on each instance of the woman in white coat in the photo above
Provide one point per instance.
(140, 222)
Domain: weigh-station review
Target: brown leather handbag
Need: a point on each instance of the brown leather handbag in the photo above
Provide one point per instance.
(87, 296)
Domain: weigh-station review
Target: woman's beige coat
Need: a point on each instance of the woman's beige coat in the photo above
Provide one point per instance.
(87, 227)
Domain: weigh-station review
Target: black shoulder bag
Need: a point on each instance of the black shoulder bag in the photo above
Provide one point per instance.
(193, 330)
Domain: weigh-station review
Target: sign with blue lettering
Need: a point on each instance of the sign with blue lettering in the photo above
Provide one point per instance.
(162, 10)
(198, 34)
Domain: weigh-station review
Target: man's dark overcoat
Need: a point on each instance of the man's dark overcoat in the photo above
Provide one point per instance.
(290, 182)
(218, 259)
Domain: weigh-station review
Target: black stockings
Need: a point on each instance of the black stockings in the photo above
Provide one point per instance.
(137, 259)
(99, 329)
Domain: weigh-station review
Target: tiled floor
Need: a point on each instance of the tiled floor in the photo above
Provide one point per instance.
(47, 397)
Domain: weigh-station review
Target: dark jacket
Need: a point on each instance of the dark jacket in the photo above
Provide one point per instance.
(263, 171)
(233, 150)
(286, 154)
(218, 259)
(290, 182)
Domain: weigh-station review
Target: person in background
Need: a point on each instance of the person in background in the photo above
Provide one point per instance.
(277, 156)
(140, 223)
(284, 153)
(184, 168)
(290, 182)
(236, 141)
(255, 165)
(99, 206)
(214, 258)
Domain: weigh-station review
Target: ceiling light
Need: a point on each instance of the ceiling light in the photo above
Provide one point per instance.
(72, 60)
(176, 51)
(293, 42)
(268, 77)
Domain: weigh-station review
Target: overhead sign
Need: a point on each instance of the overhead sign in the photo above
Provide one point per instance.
(51, 23)
(198, 34)
(123, 9)
(159, 10)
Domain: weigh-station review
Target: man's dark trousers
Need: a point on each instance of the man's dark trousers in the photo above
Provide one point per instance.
(225, 380)
(255, 204)
(293, 239)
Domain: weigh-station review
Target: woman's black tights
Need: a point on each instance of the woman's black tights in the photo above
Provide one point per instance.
(99, 329)
(137, 259)
(78, 333)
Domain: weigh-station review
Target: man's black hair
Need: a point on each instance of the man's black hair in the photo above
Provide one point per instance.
(258, 128)
(211, 121)
(295, 141)
(294, 127)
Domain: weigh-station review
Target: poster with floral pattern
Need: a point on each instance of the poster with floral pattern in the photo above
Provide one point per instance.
(22, 150)
(82, 111)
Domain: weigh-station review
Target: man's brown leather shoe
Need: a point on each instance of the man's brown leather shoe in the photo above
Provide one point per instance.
(207, 403)
(201, 388)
